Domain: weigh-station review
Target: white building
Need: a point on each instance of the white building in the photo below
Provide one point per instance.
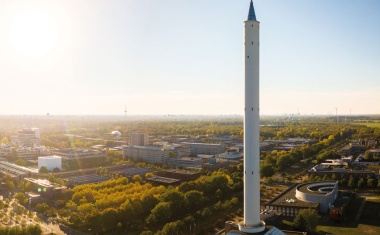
(50, 162)
(147, 153)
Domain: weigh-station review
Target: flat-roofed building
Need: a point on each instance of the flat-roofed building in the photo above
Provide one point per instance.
(50, 162)
(29, 137)
(28, 152)
(158, 180)
(75, 157)
(147, 154)
(5, 150)
(139, 139)
(45, 188)
(184, 175)
(185, 162)
(204, 148)
(178, 149)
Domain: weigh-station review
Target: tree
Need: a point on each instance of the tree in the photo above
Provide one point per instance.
(55, 170)
(306, 219)
(4, 140)
(42, 207)
(352, 182)
(368, 155)
(137, 178)
(172, 228)
(176, 200)
(193, 199)
(110, 219)
(21, 198)
(43, 169)
(20, 162)
(266, 170)
(361, 183)
(160, 214)
(371, 182)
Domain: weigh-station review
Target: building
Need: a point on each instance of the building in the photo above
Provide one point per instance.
(203, 148)
(146, 153)
(231, 154)
(185, 162)
(79, 158)
(29, 152)
(158, 180)
(353, 149)
(139, 139)
(5, 150)
(183, 175)
(50, 162)
(28, 137)
(178, 149)
(13, 170)
(318, 196)
(45, 188)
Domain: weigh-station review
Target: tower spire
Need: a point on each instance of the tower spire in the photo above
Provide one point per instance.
(251, 13)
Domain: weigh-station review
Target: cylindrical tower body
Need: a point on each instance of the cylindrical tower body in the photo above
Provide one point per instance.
(251, 124)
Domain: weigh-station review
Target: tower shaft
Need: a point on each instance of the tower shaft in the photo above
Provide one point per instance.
(251, 124)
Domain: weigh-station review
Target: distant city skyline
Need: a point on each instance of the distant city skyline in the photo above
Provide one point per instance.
(186, 57)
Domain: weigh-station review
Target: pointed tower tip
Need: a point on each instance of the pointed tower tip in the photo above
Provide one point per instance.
(251, 13)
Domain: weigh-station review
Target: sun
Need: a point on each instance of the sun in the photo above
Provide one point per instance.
(33, 33)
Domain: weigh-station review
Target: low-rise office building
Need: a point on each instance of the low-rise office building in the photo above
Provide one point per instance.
(146, 153)
(28, 137)
(204, 148)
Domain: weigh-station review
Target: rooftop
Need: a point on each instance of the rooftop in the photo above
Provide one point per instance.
(288, 198)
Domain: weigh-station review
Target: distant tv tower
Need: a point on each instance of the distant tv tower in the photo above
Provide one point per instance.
(336, 113)
(125, 111)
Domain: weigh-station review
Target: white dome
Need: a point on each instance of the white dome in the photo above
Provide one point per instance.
(117, 133)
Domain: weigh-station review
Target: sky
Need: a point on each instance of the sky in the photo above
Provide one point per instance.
(186, 57)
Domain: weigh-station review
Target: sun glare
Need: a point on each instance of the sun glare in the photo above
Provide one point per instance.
(33, 33)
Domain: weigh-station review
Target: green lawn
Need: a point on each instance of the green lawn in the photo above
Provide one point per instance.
(369, 222)
(369, 124)
(360, 229)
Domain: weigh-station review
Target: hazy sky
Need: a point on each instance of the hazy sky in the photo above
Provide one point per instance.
(186, 57)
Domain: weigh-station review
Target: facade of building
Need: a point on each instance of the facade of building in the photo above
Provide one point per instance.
(324, 193)
(28, 137)
(74, 158)
(183, 175)
(203, 148)
(139, 139)
(185, 162)
(28, 152)
(146, 153)
(5, 150)
(45, 188)
(178, 150)
(50, 162)
(318, 196)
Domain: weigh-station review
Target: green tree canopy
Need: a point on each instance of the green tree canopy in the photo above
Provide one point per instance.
(306, 219)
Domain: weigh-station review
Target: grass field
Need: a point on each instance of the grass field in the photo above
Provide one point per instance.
(369, 222)
(375, 124)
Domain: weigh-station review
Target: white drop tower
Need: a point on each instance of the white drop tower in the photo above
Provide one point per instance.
(252, 222)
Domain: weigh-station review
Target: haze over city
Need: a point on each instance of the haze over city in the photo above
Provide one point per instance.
(186, 57)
